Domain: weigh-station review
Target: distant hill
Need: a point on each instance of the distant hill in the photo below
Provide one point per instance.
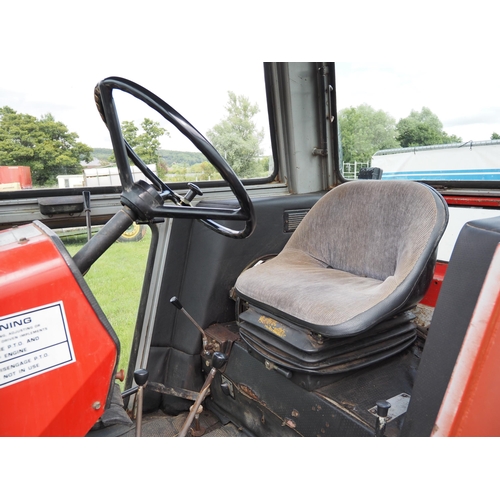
(171, 157)
(102, 153)
(182, 157)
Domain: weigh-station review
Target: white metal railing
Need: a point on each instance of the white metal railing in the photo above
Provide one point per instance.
(351, 170)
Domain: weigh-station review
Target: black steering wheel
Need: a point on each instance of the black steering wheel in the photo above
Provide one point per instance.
(147, 201)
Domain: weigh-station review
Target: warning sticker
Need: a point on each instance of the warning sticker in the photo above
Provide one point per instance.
(34, 342)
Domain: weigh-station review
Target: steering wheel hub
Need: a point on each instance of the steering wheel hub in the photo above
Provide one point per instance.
(142, 199)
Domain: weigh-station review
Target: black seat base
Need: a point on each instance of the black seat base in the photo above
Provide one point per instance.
(309, 356)
(265, 403)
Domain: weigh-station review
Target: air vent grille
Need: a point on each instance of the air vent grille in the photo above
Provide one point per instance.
(292, 218)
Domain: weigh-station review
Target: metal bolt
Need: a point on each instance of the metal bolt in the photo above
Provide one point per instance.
(96, 405)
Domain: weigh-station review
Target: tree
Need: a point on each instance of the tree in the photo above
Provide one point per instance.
(494, 136)
(43, 144)
(237, 138)
(364, 131)
(422, 129)
(130, 131)
(147, 144)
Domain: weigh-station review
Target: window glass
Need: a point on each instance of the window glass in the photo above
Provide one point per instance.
(68, 145)
(116, 280)
(437, 121)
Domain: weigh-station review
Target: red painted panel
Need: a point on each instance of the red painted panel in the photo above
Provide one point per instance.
(432, 294)
(472, 201)
(471, 406)
(57, 359)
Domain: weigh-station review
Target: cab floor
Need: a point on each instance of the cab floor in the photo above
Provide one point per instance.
(159, 424)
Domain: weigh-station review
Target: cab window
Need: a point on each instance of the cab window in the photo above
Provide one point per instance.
(42, 151)
(433, 122)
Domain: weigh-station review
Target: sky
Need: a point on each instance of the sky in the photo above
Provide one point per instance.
(54, 61)
(465, 96)
(194, 90)
(54, 52)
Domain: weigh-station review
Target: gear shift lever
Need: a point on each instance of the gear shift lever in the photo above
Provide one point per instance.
(177, 303)
(141, 379)
(218, 361)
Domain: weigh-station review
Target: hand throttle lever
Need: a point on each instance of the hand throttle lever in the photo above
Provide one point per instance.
(177, 303)
(194, 190)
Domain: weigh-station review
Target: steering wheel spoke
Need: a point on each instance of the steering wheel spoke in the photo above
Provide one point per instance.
(147, 201)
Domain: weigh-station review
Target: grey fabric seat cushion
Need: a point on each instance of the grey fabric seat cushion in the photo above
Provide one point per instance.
(364, 244)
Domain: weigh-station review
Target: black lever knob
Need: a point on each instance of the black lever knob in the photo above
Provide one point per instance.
(218, 360)
(382, 411)
(141, 377)
(176, 302)
(194, 190)
(383, 408)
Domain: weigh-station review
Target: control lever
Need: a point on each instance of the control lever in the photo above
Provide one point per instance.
(218, 361)
(382, 411)
(141, 379)
(177, 303)
(194, 190)
(86, 208)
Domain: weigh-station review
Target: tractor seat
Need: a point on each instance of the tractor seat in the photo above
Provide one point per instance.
(338, 295)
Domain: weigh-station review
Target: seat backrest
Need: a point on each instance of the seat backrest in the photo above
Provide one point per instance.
(374, 229)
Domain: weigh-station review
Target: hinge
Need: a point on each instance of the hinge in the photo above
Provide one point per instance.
(320, 152)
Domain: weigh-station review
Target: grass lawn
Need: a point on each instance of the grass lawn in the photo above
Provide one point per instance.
(116, 281)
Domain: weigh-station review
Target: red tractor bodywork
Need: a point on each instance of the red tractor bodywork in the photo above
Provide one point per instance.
(57, 352)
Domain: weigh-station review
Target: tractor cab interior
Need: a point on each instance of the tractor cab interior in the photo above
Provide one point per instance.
(298, 306)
